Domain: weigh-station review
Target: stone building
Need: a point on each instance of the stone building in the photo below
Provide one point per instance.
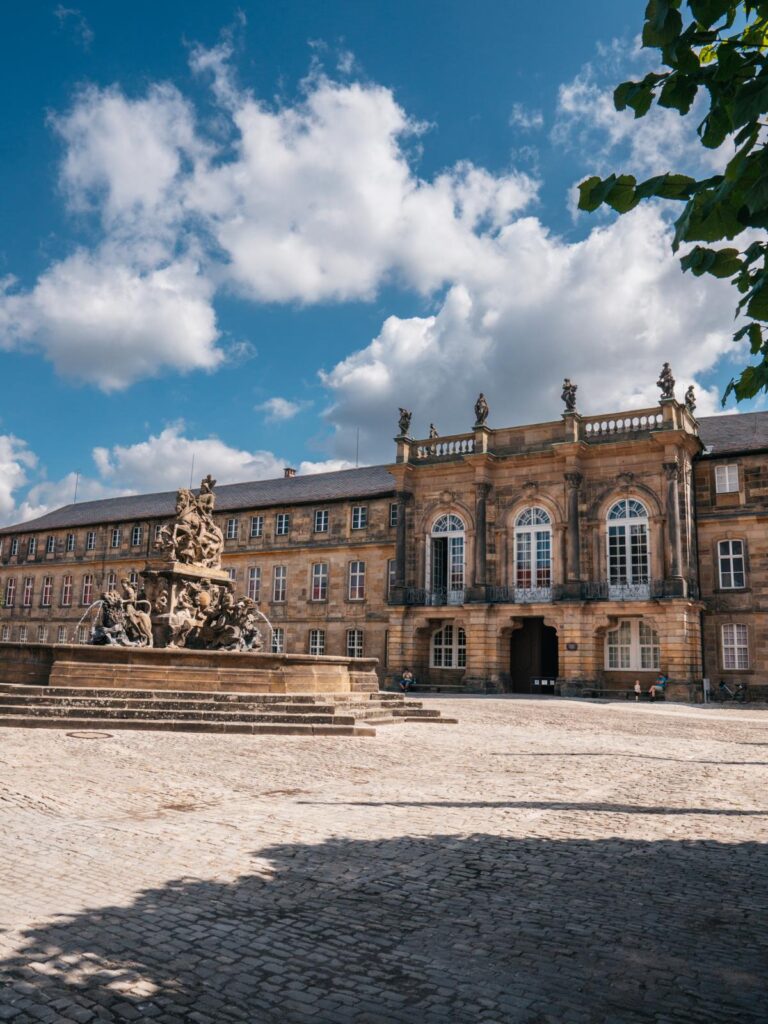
(587, 551)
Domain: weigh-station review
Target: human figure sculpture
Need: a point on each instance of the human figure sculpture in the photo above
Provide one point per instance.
(404, 423)
(569, 395)
(690, 399)
(194, 538)
(666, 382)
(138, 624)
(481, 410)
(433, 431)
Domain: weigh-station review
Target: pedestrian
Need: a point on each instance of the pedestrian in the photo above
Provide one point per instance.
(406, 680)
(658, 686)
(638, 689)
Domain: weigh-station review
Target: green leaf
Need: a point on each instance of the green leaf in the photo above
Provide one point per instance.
(591, 195)
(751, 100)
(707, 12)
(637, 95)
(714, 128)
(757, 307)
(663, 22)
(678, 93)
(622, 196)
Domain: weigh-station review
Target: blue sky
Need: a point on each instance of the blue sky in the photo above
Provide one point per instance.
(246, 232)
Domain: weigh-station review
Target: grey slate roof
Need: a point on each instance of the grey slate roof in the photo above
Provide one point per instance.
(746, 431)
(368, 482)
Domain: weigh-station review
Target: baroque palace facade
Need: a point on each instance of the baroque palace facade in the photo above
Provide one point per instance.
(588, 551)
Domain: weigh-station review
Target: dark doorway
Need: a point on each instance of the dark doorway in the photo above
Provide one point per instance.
(533, 658)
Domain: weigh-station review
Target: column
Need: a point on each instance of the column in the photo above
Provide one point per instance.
(572, 580)
(478, 590)
(401, 539)
(675, 586)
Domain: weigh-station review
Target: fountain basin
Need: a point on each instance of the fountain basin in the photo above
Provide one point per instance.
(149, 668)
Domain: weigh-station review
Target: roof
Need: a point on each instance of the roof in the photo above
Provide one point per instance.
(368, 482)
(744, 432)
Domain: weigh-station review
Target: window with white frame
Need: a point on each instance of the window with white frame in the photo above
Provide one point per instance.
(158, 531)
(730, 559)
(66, 591)
(321, 520)
(278, 640)
(87, 591)
(356, 581)
(10, 592)
(111, 580)
(727, 478)
(22, 634)
(735, 645)
(133, 578)
(82, 634)
(14, 546)
(257, 526)
(26, 594)
(628, 558)
(61, 635)
(90, 540)
(42, 634)
(449, 647)
(393, 513)
(136, 533)
(354, 643)
(232, 573)
(231, 529)
(50, 546)
(533, 553)
(32, 546)
(5, 634)
(359, 517)
(254, 583)
(47, 592)
(391, 574)
(317, 641)
(279, 579)
(115, 537)
(445, 558)
(70, 542)
(282, 524)
(319, 587)
(633, 644)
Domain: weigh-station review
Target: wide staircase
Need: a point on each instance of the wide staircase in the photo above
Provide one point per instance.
(75, 708)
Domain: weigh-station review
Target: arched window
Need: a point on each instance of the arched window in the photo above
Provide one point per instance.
(633, 644)
(628, 560)
(449, 647)
(533, 555)
(445, 560)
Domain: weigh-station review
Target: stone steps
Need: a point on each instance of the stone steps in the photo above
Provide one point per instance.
(77, 708)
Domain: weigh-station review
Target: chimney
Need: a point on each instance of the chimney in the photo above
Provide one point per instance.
(288, 472)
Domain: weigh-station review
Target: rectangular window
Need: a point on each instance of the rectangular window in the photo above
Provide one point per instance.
(278, 640)
(254, 583)
(359, 517)
(279, 576)
(735, 646)
(66, 592)
(257, 526)
(232, 529)
(136, 533)
(82, 634)
(32, 546)
(26, 596)
(319, 589)
(90, 540)
(87, 594)
(10, 593)
(731, 562)
(50, 546)
(42, 634)
(620, 646)
(282, 524)
(232, 573)
(391, 574)
(133, 578)
(317, 641)
(47, 591)
(321, 520)
(14, 546)
(115, 537)
(356, 581)
(22, 634)
(5, 634)
(70, 542)
(61, 636)
(393, 514)
(650, 657)
(354, 643)
(111, 580)
(726, 479)
(158, 531)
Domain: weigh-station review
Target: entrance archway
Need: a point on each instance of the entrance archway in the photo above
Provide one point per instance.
(533, 658)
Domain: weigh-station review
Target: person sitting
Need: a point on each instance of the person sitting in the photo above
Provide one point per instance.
(406, 681)
(658, 687)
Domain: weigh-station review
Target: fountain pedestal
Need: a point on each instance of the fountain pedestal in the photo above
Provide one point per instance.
(177, 592)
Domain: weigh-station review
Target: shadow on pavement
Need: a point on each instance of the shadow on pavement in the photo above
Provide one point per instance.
(439, 929)
(547, 805)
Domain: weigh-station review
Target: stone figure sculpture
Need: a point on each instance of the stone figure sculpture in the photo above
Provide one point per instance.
(666, 382)
(569, 395)
(433, 431)
(404, 423)
(193, 538)
(481, 410)
(229, 625)
(122, 621)
(690, 399)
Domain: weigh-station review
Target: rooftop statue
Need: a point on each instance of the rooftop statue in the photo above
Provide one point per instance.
(481, 410)
(433, 431)
(666, 382)
(194, 538)
(569, 395)
(404, 423)
(690, 399)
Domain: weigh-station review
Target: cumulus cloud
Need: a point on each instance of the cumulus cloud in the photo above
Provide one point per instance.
(525, 117)
(278, 410)
(16, 464)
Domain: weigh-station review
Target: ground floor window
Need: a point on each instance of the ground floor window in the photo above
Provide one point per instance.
(22, 634)
(735, 646)
(5, 634)
(633, 644)
(278, 640)
(62, 635)
(354, 643)
(42, 634)
(449, 647)
(317, 641)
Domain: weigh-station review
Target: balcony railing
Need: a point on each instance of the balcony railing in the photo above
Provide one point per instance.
(520, 595)
(622, 423)
(434, 598)
(591, 590)
(434, 448)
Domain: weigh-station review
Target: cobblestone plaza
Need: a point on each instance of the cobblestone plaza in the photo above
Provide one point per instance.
(541, 861)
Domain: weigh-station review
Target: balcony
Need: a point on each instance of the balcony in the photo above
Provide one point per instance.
(434, 598)
(520, 595)
(592, 590)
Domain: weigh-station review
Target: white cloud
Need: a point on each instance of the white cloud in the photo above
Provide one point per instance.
(525, 117)
(278, 410)
(16, 463)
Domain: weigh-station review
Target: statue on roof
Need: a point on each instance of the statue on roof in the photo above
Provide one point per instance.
(690, 399)
(481, 410)
(404, 423)
(666, 382)
(569, 395)
(433, 432)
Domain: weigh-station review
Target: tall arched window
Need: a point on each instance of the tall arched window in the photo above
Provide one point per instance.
(445, 560)
(533, 555)
(449, 647)
(628, 561)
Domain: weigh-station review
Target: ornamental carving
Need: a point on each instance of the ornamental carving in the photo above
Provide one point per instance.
(666, 382)
(569, 395)
(574, 481)
(404, 422)
(193, 538)
(481, 410)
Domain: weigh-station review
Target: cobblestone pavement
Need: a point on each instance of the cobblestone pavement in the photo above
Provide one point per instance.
(541, 861)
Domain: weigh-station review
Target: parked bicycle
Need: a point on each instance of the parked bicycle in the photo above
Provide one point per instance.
(738, 693)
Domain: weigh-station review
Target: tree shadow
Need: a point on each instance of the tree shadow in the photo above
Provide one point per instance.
(421, 929)
(598, 807)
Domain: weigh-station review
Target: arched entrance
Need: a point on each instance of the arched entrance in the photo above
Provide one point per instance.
(533, 664)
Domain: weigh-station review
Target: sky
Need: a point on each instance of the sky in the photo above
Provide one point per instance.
(247, 234)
